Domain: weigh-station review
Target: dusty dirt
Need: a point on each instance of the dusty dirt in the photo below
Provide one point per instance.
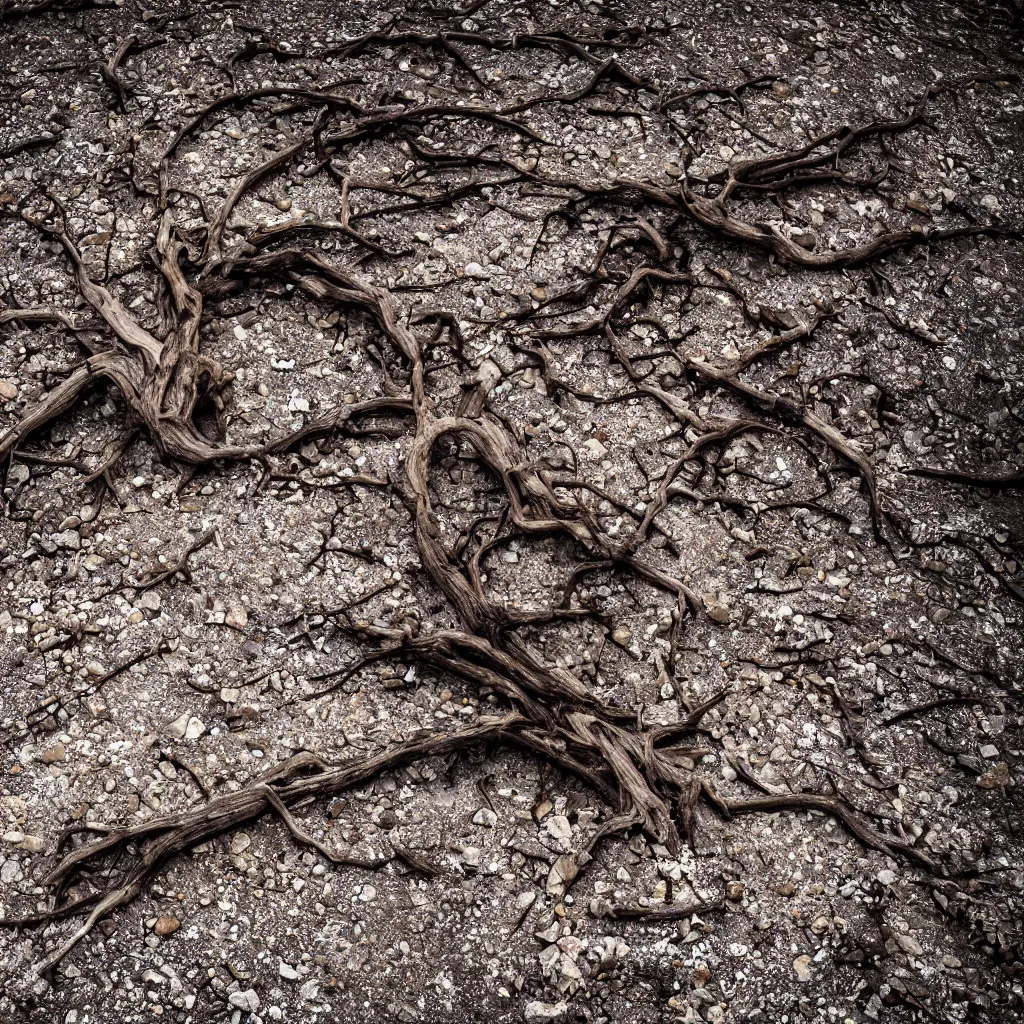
(680, 680)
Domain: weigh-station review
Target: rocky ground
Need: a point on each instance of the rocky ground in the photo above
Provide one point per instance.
(846, 640)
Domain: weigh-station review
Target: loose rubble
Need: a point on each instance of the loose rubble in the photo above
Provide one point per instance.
(165, 647)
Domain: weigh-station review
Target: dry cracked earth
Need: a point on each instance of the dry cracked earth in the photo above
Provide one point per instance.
(511, 512)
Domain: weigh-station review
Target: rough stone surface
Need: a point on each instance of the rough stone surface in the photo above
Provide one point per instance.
(891, 676)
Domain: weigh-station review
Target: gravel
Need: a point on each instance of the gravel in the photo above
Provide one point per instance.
(124, 701)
